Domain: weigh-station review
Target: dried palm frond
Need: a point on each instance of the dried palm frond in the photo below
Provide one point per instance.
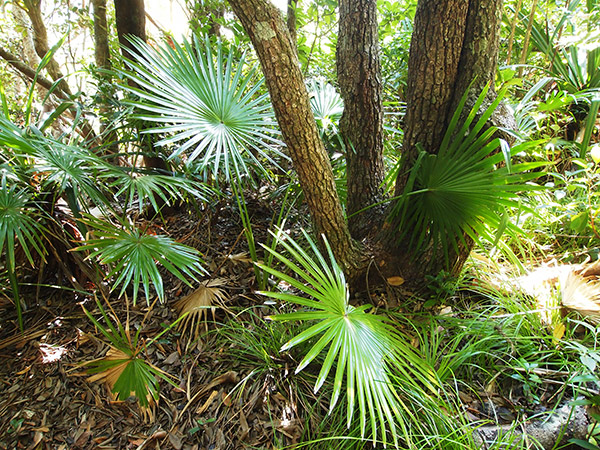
(581, 293)
(197, 304)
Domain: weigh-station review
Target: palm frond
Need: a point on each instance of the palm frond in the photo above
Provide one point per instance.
(327, 105)
(133, 257)
(364, 348)
(465, 188)
(196, 305)
(19, 226)
(206, 104)
(142, 187)
(123, 368)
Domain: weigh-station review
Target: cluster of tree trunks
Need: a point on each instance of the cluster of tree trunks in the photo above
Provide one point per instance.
(454, 43)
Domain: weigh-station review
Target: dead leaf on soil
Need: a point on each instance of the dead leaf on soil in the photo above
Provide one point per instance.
(395, 281)
(197, 304)
(243, 257)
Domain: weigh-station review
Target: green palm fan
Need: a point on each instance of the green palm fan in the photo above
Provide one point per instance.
(207, 105)
(464, 189)
(133, 256)
(124, 368)
(361, 347)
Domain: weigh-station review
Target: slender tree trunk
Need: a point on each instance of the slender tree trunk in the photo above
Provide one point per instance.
(101, 49)
(269, 35)
(361, 126)
(291, 21)
(108, 137)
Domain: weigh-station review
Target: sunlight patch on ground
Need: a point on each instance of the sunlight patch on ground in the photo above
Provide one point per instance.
(52, 353)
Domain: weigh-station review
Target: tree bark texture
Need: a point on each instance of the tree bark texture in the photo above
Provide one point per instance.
(361, 125)
(130, 17)
(433, 68)
(40, 40)
(269, 35)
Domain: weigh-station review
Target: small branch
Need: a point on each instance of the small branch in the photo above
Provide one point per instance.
(86, 130)
(14, 61)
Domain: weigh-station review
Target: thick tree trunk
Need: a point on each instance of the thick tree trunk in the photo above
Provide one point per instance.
(358, 69)
(454, 43)
(269, 35)
(130, 17)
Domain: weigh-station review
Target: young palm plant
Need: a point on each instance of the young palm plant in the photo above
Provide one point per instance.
(206, 104)
(363, 347)
(124, 367)
(133, 257)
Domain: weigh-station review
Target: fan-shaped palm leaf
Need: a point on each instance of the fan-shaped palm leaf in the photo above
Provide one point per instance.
(67, 171)
(195, 306)
(133, 256)
(326, 104)
(364, 347)
(123, 368)
(206, 104)
(148, 186)
(464, 188)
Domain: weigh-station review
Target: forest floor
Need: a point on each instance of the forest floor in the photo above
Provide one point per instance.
(227, 395)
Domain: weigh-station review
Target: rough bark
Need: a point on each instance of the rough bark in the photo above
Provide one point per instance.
(271, 40)
(433, 68)
(40, 40)
(361, 125)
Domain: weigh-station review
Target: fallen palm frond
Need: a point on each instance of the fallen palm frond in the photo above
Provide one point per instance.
(580, 292)
(193, 308)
